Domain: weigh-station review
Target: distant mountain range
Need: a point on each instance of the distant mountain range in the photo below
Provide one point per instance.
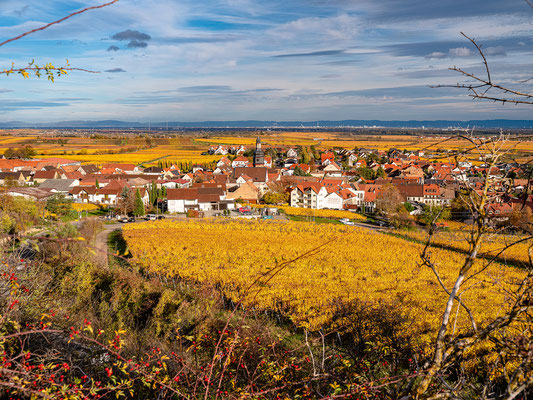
(496, 123)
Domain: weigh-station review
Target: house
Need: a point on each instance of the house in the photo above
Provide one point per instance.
(176, 184)
(327, 158)
(224, 161)
(88, 169)
(353, 197)
(198, 198)
(223, 170)
(258, 175)
(333, 200)
(83, 194)
(247, 192)
(218, 150)
(30, 193)
(240, 162)
(41, 176)
(71, 175)
(308, 195)
(59, 185)
(333, 169)
(360, 164)
(12, 178)
(153, 171)
(125, 168)
(292, 153)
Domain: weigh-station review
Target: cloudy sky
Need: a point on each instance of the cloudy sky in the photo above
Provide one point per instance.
(195, 60)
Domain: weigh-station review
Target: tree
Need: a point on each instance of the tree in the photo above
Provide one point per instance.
(380, 173)
(432, 214)
(506, 336)
(409, 207)
(138, 206)
(389, 200)
(299, 172)
(305, 157)
(275, 197)
(60, 206)
(366, 173)
(26, 152)
(126, 201)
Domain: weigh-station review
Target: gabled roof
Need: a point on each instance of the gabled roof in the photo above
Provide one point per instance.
(79, 189)
(73, 175)
(11, 175)
(314, 186)
(45, 174)
(202, 194)
(90, 168)
(59, 185)
(258, 174)
(36, 193)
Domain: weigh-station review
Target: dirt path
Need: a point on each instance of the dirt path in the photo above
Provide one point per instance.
(100, 244)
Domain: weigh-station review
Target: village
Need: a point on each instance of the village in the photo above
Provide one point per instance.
(299, 177)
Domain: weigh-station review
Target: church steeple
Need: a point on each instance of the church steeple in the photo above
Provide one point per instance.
(259, 154)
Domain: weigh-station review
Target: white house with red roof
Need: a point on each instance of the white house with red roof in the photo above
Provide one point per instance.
(308, 195)
(240, 162)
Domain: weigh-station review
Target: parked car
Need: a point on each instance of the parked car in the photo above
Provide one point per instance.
(160, 217)
(131, 219)
(123, 219)
(150, 217)
(346, 221)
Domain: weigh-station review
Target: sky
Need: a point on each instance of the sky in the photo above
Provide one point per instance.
(282, 60)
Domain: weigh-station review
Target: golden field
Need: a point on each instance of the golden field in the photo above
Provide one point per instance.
(493, 245)
(189, 147)
(353, 264)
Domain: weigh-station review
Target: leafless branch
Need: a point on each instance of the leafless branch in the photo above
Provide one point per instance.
(480, 89)
(56, 22)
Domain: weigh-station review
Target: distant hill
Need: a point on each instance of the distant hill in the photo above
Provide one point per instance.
(496, 123)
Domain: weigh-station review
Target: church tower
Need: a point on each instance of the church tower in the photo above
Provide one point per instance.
(259, 154)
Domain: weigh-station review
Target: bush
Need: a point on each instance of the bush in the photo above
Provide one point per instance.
(193, 213)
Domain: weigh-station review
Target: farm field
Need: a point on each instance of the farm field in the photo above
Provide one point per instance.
(353, 265)
(189, 147)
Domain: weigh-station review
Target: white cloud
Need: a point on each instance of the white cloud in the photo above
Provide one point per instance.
(437, 55)
(340, 27)
(460, 52)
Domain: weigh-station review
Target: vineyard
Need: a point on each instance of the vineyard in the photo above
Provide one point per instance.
(493, 246)
(352, 265)
(148, 150)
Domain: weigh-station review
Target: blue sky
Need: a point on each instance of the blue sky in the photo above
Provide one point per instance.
(169, 60)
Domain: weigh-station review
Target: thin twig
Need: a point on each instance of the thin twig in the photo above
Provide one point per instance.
(56, 22)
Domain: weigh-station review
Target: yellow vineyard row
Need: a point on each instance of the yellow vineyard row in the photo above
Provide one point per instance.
(352, 265)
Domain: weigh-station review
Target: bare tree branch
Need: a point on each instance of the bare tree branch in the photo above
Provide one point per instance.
(56, 22)
(481, 89)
